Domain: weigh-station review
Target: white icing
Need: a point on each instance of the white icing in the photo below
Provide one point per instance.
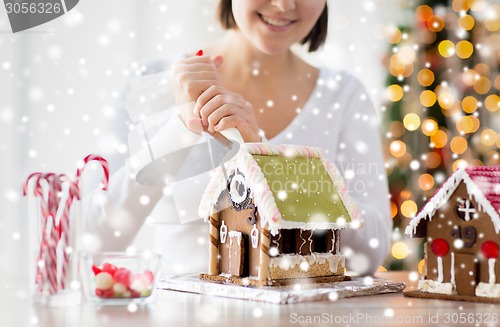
(289, 261)
(313, 226)
(452, 269)
(223, 232)
(303, 241)
(254, 235)
(310, 242)
(235, 196)
(467, 210)
(440, 269)
(333, 242)
(491, 271)
(234, 234)
(443, 195)
(487, 290)
(431, 286)
(337, 243)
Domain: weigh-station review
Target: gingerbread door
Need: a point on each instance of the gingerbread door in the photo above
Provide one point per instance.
(236, 253)
(466, 271)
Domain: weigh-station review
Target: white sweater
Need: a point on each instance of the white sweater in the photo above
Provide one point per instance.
(338, 117)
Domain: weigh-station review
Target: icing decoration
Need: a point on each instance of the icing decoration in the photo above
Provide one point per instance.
(491, 271)
(232, 235)
(303, 241)
(431, 286)
(489, 249)
(237, 189)
(309, 238)
(465, 209)
(439, 247)
(488, 290)
(452, 269)
(482, 185)
(440, 269)
(289, 261)
(223, 232)
(254, 234)
(333, 242)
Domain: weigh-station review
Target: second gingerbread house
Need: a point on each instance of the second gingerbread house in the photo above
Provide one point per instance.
(462, 225)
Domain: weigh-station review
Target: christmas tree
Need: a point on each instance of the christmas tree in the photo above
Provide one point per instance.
(443, 88)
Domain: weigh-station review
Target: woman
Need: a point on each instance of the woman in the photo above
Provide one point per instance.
(252, 81)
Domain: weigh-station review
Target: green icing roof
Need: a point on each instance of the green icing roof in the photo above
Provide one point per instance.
(302, 189)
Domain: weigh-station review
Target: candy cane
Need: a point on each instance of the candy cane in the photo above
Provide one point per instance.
(64, 227)
(104, 165)
(43, 277)
(50, 201)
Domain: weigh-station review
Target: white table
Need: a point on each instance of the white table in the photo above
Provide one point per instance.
(184, 309)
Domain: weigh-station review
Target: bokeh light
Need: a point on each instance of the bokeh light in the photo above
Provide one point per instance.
(446, 100)
(433, 160)
(426, 182)
(446, 48)
(397, 148)
(469, 104)
(458, 144)
(435, 23)
(409, 208)
(460, 5)
(394, 92)
(427, 98)
(420, 266)
(492, 19)
(460, 163)
(425, 77)
(399, 250)
(429, 127)
(482, 85)
(488, 137)
(423, 13)
(466, 22)
(492, 102)
(394, 209)
(464, 49)
(411, 121)
(439, 139)
(393, 35)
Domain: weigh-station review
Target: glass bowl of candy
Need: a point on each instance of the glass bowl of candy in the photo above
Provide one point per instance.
(114, 278)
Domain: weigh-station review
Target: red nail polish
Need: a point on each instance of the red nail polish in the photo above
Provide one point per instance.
(199, 53)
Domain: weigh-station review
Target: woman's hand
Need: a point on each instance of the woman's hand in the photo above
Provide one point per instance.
(221, 109)
(192, 77)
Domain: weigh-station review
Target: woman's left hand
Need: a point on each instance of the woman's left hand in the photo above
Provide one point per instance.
(221, 109)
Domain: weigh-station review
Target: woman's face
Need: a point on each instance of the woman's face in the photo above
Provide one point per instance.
(273, 26)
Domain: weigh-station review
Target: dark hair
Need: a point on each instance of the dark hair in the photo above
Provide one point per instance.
(316, 37)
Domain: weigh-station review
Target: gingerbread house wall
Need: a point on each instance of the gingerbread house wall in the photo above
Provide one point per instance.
(442, 225)
(238, 221)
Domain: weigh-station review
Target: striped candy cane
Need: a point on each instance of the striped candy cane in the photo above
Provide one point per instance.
(64, 227)
(43, 276)
(105, 168)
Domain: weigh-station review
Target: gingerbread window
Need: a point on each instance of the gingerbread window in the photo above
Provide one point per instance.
(465, 209)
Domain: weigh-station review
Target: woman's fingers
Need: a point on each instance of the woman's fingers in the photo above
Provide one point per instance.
(218, 106)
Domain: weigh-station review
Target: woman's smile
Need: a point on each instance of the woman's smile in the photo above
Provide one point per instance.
(276, 23)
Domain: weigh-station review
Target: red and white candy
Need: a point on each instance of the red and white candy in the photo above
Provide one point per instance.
(118, 282)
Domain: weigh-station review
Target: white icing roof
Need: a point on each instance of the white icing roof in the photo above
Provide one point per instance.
(443, 194)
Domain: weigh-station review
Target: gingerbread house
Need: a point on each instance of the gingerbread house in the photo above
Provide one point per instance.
(275, 214)
(462, 224)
